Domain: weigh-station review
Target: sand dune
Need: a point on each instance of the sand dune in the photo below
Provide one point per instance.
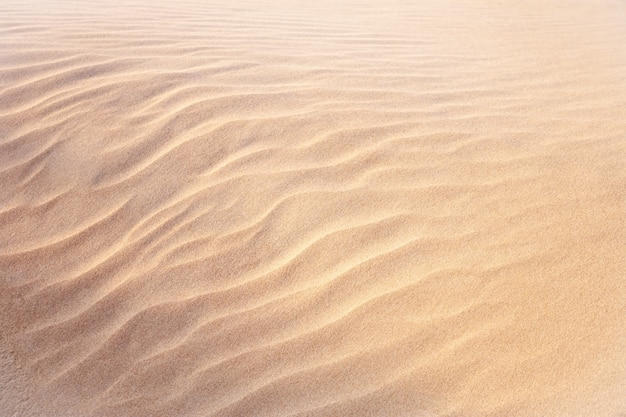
(354, 208)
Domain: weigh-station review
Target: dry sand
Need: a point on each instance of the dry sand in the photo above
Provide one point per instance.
(336, 208)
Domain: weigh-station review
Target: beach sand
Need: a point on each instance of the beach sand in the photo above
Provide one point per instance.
(334, 208)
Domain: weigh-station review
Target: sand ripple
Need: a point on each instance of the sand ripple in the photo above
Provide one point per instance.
(313, 209)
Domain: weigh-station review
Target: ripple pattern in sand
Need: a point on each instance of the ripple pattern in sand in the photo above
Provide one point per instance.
(329, 209)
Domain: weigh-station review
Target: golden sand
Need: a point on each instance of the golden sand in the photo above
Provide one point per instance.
(335, 208)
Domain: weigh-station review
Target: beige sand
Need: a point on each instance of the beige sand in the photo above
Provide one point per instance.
(353, 208)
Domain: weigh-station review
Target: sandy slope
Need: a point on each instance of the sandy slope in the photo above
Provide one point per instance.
(360, 208)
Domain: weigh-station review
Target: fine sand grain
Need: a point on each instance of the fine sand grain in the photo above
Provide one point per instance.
(296, 208)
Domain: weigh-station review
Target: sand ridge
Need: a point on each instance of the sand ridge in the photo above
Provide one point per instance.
(313, 209)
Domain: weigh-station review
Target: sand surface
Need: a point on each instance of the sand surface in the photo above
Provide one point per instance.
(329, 208)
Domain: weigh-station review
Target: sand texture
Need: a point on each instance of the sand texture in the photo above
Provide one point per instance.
(296, 208)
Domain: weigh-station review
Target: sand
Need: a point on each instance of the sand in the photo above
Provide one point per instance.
(335, 208)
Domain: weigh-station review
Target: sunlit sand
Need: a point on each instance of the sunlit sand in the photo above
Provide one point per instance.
(363, 208)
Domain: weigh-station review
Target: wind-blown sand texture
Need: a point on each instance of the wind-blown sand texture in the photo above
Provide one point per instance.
(363, 208)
